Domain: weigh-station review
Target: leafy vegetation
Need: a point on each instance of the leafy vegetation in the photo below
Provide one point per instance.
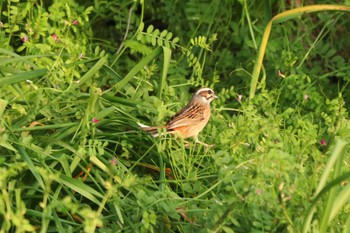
(77, 76)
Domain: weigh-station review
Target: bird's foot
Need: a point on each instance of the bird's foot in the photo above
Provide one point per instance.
(207, 146)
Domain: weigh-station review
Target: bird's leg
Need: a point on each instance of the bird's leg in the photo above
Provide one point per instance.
(202, 143)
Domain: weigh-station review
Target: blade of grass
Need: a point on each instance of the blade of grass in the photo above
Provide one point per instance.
(138, 67)
(338, 153)
(23, 59)
(284, 16)
(119, 100)
(25, 156)
(105, 112)
(28, 75)
(119, 212)
(112, 72)
(64, 132)
(88, 75)
(251, 31)
(342, 198)
(319, 37)
(81, 188)
(347, 226)
(58, 222)
(77, 156)
(38, 214)
(99, 164)
(45, 127)
(12, 54)
(312, 208)
(3, 104)
(166, 63)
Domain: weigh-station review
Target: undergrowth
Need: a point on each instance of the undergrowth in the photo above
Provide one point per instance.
(77, 77)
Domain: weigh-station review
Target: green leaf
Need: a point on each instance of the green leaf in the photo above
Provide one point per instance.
(169, 35)
(164, 33)
(175, 40)
(150, 29)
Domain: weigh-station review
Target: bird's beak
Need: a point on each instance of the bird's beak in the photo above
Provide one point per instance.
(215, 97)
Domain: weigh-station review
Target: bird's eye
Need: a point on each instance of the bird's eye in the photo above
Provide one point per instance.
(210, 92)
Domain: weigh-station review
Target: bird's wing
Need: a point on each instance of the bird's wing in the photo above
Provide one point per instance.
(189, 115)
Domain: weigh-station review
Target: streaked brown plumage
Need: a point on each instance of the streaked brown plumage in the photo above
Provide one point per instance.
(191, 120)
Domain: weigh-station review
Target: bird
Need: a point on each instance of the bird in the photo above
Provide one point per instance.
(190, 120)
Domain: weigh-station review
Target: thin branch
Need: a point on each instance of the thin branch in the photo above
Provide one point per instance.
(126, 31)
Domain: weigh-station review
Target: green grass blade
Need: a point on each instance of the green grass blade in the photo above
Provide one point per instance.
(166, 64)
(99, 164)
(22, 59)
(338, 154)
(26, 157)
(347, 226)
(138, 67)
(28, 75)
(64, 132)
(118, 100)
(341, 199)
(58, 222)
(39, 214)
(259, 59)
(112, 72)
(105, 112)
(3, 104)
(81, 188)
(45, 127)
(284, 16)
(323, 188)
(88, 75)
(296, 12)
(250, 25)
(337, 151)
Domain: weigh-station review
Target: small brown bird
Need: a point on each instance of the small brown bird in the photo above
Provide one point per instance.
(190, 121)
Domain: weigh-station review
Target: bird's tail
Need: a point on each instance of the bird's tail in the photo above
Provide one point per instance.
(153, 130)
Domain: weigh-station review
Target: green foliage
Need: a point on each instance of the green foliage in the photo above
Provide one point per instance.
(77, 76)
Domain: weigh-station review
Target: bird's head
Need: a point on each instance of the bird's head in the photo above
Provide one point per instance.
(205, 95)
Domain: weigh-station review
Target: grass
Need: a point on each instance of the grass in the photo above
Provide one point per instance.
(76, 78)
